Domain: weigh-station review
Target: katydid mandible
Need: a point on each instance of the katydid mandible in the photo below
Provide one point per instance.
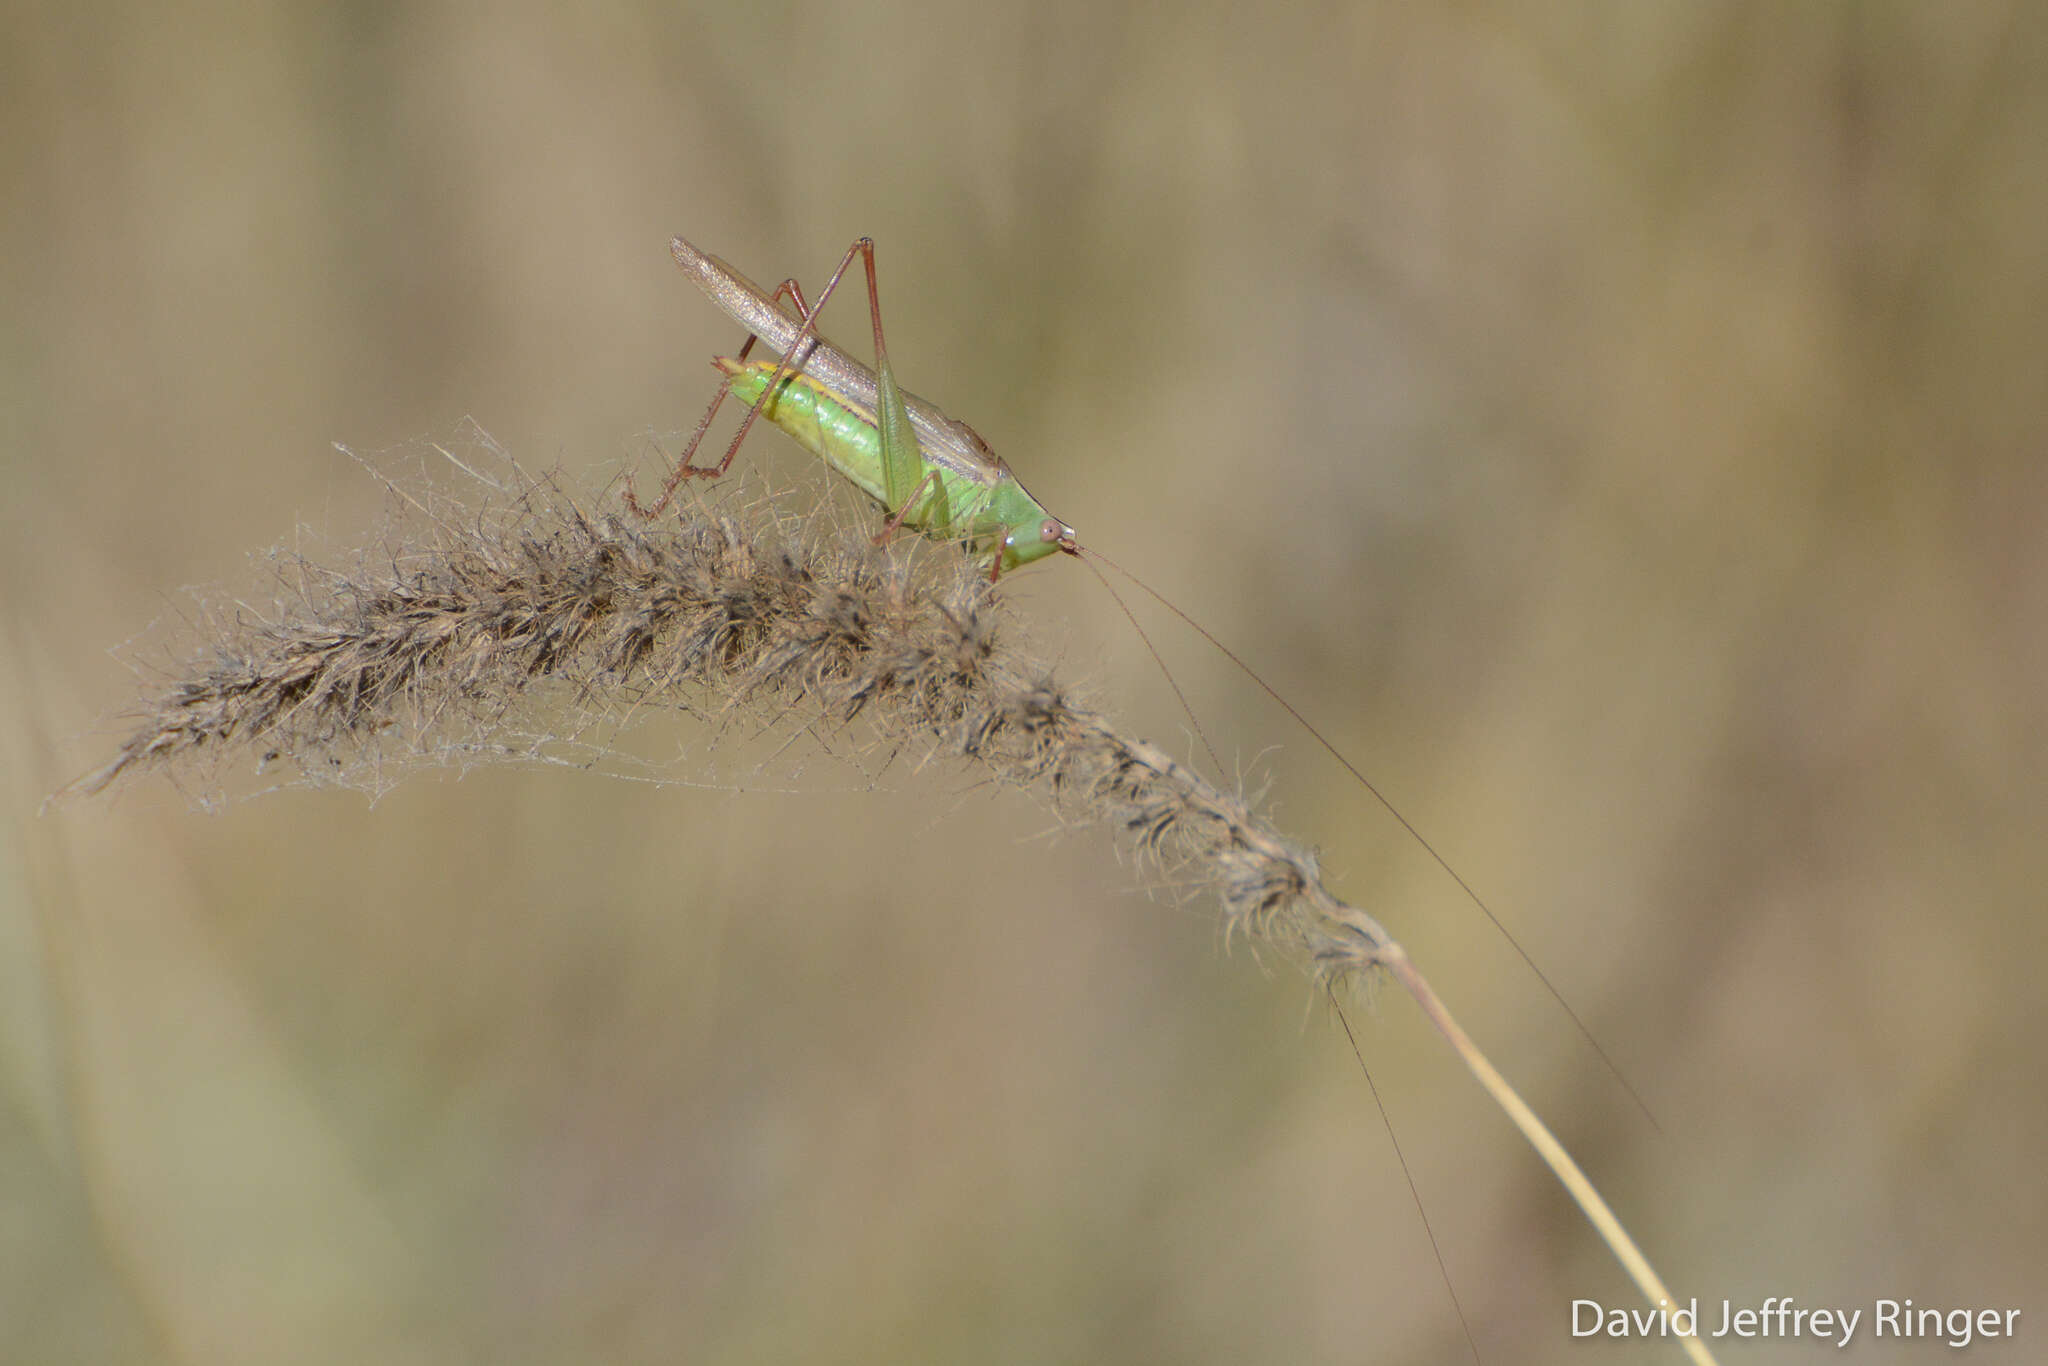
(929, 472)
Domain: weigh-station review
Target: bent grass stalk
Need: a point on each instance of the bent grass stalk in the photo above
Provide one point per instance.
(432, 652)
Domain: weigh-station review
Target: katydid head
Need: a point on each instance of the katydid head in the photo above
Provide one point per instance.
(1028, 531)
(1023, 544)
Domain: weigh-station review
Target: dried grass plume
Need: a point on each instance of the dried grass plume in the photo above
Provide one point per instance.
(459, 636)
(482, 607)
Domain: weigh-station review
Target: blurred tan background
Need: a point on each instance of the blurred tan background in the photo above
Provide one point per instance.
(1624, 432)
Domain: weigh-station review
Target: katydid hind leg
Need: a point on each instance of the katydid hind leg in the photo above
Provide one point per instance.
(805, 312)
(683, 468)
(790, 362)
(792, 359)
(902, 462)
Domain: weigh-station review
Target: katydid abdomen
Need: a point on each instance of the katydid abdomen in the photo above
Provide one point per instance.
(987, 508)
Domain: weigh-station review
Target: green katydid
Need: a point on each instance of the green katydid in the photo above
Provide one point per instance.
(929, 472)
(936, 476)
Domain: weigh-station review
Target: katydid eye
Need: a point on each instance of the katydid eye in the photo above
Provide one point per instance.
(1049, 530)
